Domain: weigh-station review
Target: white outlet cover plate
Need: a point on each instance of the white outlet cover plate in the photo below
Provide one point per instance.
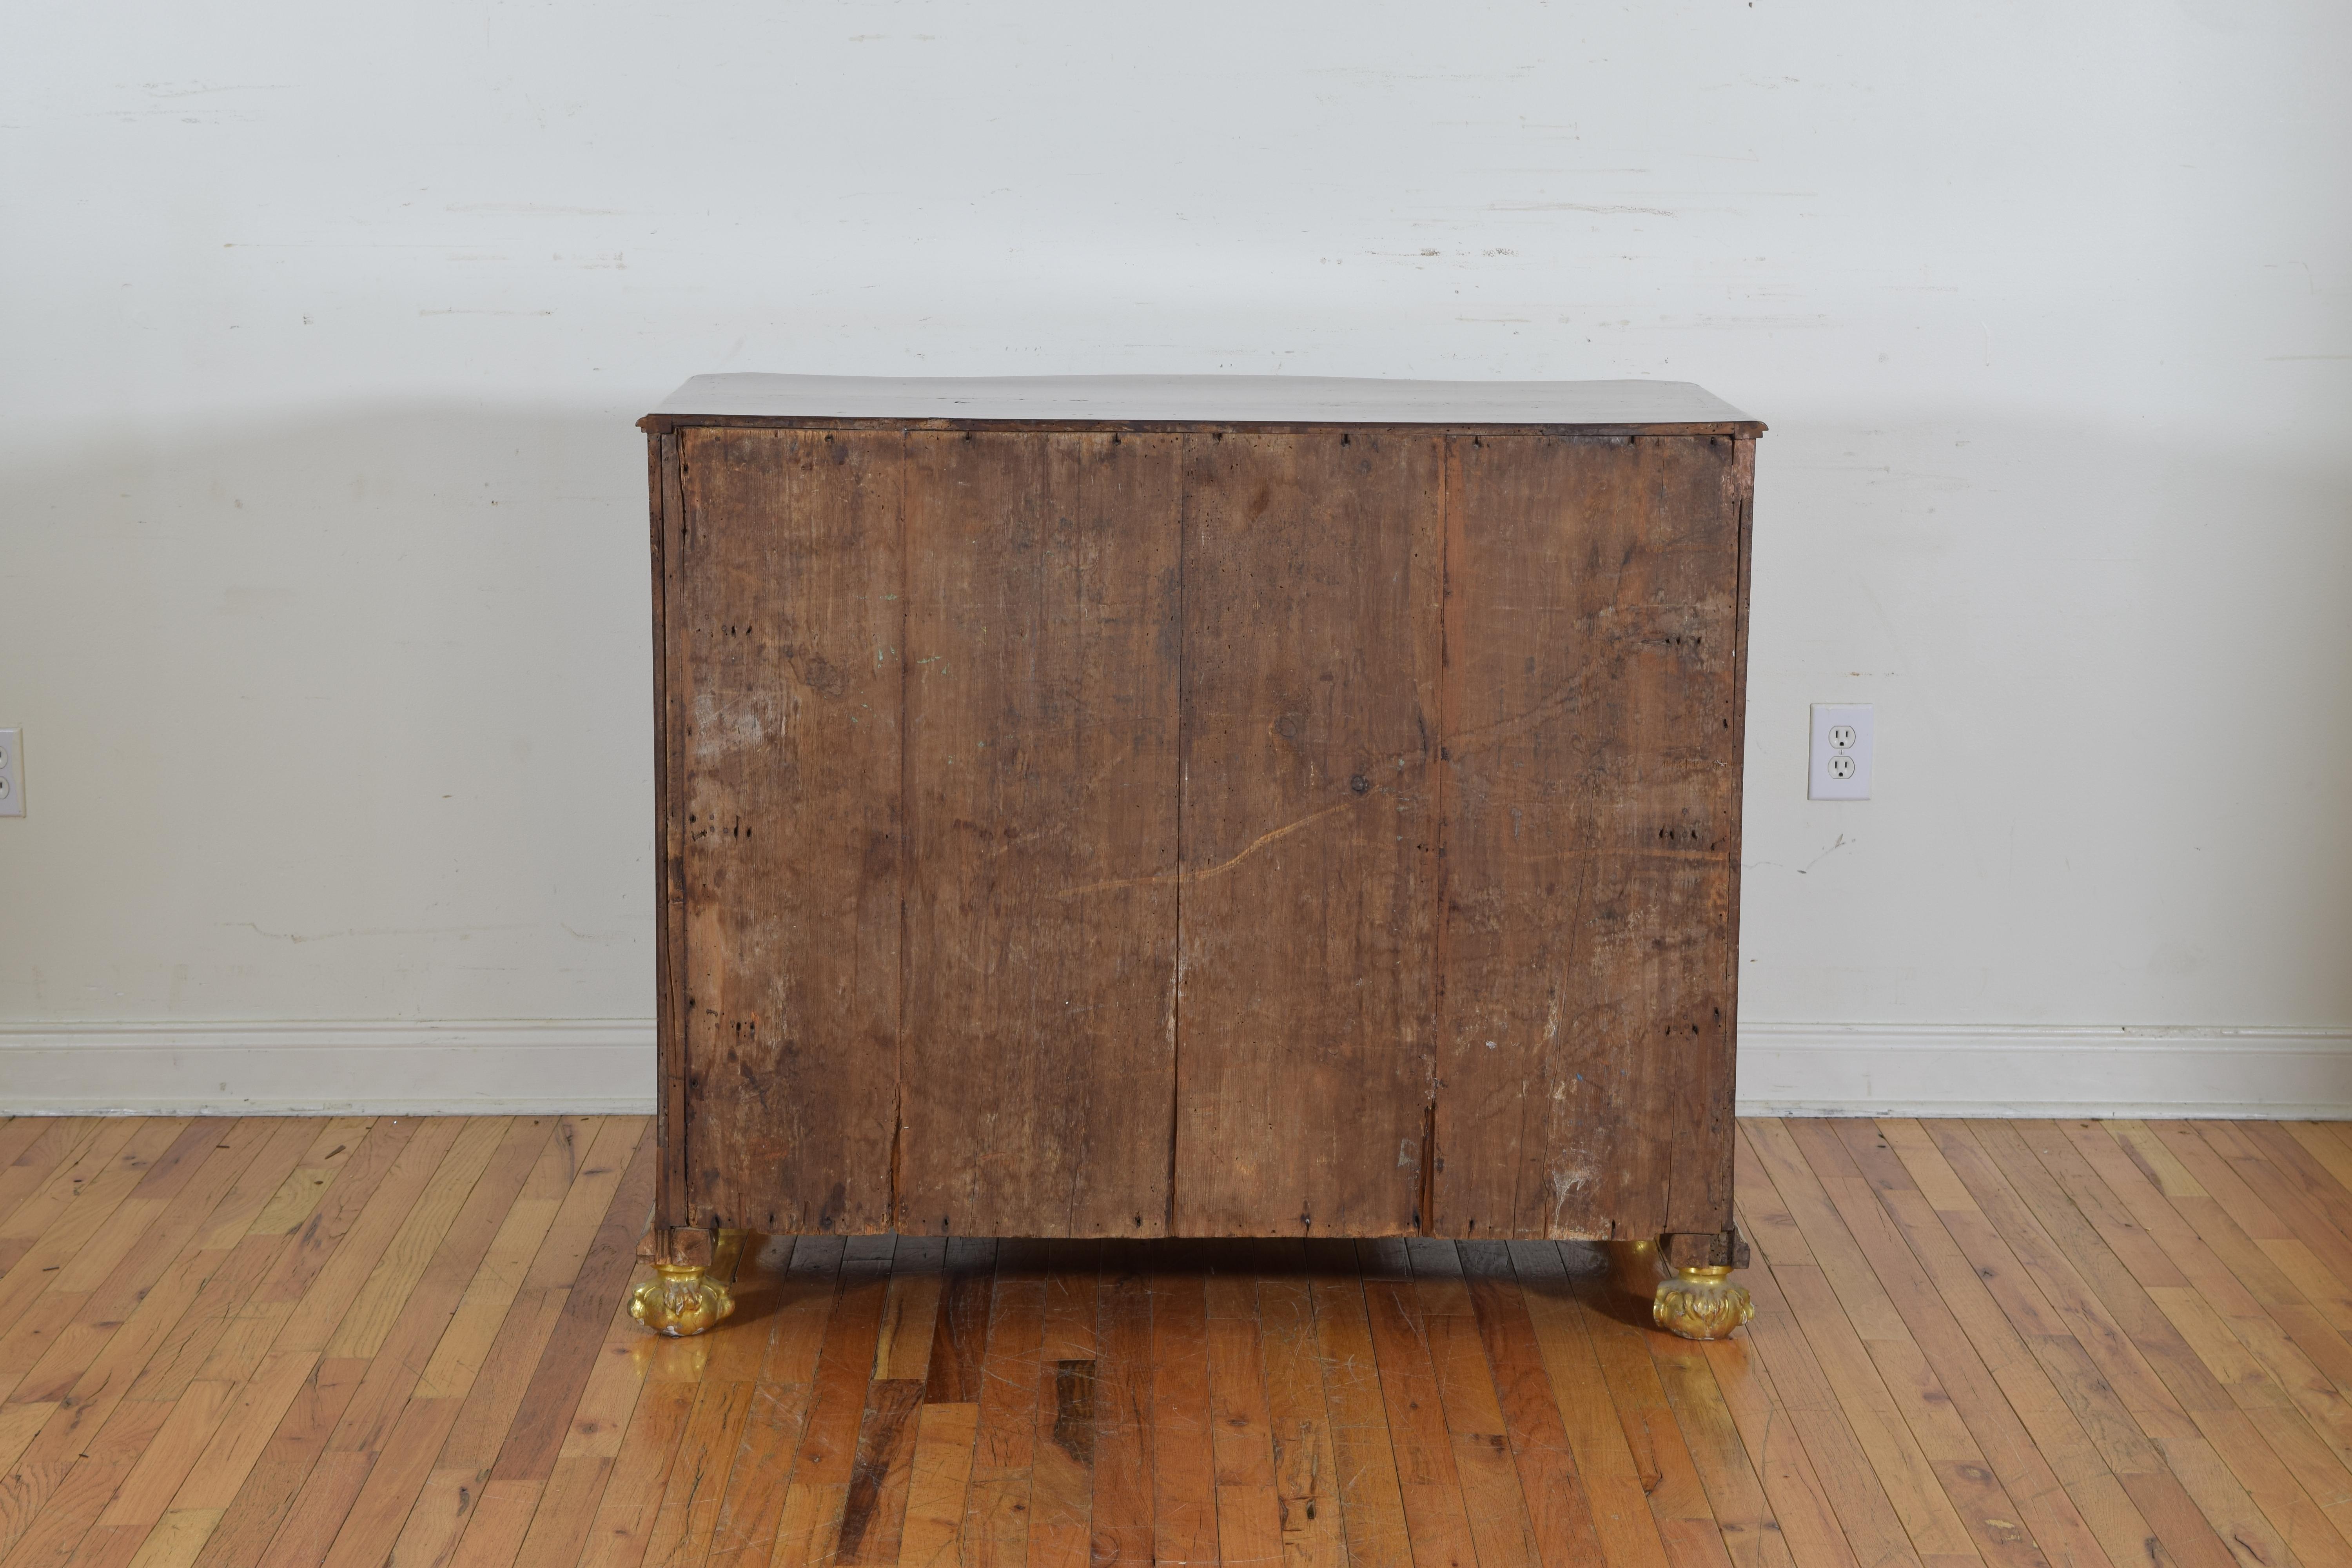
(1830, 717)
(11, 772)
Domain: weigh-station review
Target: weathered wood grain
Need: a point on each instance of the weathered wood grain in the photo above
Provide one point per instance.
(672, 689)
(1041, 681)
(1699, 1183)
(997, 1510)
(960, 1343)
(1083, 831)
(1117, 1399)
(1311, 570)
(790, 683)
(1062, 1450)
(1590, 822)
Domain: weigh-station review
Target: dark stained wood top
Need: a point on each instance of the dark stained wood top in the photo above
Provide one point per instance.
(1222, 401)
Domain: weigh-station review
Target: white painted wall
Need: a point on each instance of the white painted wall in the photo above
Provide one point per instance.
(321, 594)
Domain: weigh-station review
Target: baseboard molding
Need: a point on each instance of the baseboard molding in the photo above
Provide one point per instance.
(593, 1067)
(1916, 1069)
(606, 1066)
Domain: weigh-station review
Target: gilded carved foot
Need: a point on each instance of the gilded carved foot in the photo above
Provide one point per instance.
(1701, 1304)
(680, 1300)
(1697, 1303)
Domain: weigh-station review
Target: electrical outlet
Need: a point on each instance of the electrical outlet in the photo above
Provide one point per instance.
(1841, 754)
(11, 772)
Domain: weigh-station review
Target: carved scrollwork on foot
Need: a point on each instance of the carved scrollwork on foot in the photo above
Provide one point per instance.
(680, 1300)
(1701, 1304)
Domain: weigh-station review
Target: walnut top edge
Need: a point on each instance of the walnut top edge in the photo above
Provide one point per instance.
(1238, 403)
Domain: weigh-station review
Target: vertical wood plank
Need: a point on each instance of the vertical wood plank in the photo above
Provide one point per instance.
(1062, 1488)
(1808, 1523)
(673, 709)
(1619, 1507)
(1500, 1528)
(910, 1310)
(783, 1381)
(383, 1448)
(790, 678)
(698, 1473)
(1560, 1515)
(1040, 766)
(570, 1354)
(1699, 1179)
(1249, 1528)
(959, 1338)
(1239, 1423)
(874, 1516)
(996, 1521)
(2288, 1403)
(386, 1183)
(828, 1446)
(1183, 1444)
(1592, 811)
(1311, 579)
(1686, 1523)
(1878, 1512)
(1364, 1459)
(937, 1489)
(1298, 1419)
(624, 1523)
(1754, 1535)
(1427, 1477)
(495, 1382)
(810, 1535)
(1123, 1414)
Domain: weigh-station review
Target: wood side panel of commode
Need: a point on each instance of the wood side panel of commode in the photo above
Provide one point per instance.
(786, 683)
(1590, 824)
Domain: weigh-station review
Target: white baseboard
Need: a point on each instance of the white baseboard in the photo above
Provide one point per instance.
(606, 1066)
(2038, 1071)
(591, 1067)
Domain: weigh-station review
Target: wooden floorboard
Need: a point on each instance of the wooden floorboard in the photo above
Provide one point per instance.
(356, 1341)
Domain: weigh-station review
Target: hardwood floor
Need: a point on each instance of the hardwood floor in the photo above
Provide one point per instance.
(306, 1341)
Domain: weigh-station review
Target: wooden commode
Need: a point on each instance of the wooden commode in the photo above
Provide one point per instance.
(1200, 806)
